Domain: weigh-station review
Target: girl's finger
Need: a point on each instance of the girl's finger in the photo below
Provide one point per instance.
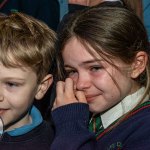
(59, 92)
(69, 88)
(81, 97)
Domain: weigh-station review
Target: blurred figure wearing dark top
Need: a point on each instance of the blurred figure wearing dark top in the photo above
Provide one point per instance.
(45, 10)
(77, 6)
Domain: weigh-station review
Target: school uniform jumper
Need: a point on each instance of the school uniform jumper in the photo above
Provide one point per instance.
(133, 133)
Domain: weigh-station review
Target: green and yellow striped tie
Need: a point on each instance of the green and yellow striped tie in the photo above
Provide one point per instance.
(95, 124)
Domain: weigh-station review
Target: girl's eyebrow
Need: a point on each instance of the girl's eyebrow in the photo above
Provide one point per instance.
(85, 62)
(91, 61)
(68, 66)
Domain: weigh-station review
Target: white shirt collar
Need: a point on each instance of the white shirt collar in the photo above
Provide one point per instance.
(127, 104)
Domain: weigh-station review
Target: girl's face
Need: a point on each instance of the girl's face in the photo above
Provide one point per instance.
(103, 85)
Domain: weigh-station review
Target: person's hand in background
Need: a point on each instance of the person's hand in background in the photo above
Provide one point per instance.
(85, 2)
(79, 2)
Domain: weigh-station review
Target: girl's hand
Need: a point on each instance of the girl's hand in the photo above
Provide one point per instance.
(66, 94)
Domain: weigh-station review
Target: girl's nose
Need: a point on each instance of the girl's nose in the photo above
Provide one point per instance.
(83, 82)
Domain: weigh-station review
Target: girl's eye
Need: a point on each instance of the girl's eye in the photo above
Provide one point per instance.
(70, 73)
(95, 68)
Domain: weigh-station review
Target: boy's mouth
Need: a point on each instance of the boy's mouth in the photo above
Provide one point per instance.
(2, 110)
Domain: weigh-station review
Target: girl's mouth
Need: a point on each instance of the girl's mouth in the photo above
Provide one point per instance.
(90, 98)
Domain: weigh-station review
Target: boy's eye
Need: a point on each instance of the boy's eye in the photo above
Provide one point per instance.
(12, 84)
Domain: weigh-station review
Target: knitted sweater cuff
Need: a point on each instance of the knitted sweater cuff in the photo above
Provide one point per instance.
(71, 118)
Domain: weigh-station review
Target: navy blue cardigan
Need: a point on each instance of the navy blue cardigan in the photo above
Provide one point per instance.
(72, 132)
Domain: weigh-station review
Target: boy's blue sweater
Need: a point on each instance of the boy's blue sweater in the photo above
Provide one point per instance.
(72, 133)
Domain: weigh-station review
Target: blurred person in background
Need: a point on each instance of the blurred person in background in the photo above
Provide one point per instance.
(45, 10)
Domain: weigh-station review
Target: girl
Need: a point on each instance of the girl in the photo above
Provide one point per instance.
(107, 62)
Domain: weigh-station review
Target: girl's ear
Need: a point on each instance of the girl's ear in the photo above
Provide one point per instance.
(43, 86)
(139, 64)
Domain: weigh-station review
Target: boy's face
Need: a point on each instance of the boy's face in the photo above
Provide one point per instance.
(18, 87)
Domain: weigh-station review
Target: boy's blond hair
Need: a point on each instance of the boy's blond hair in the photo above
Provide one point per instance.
(26, 42)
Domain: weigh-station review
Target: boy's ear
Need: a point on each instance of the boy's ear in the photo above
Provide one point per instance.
(43, 86)
(139, 64)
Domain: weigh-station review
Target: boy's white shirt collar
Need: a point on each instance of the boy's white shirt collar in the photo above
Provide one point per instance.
(127, 104)
(1, 127)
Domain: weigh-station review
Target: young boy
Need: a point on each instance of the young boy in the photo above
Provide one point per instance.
(27, 49)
